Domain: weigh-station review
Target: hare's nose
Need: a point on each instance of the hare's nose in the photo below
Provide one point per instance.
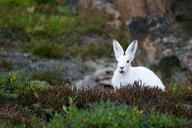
(121, 67)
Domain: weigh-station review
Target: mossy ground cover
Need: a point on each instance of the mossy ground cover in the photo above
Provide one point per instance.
(52, 30)
(30, 103)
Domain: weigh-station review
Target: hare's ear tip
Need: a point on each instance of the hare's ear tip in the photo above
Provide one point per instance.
(114, 40)
(135, 42)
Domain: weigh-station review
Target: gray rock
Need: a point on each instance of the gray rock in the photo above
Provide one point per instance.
(101, 76)
(160, 38)
(28, 63)
(187, 61)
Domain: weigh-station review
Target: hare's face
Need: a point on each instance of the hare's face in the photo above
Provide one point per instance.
(123, 64)
(124, 59)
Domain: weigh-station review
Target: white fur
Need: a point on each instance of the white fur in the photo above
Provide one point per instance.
(126, 74)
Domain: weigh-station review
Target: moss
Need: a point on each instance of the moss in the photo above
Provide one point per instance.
(92, 21)
(38, 26)
(84, 24)
(53, 78)
(91, 50)
(64, 10)
(17, 2)
(45, 48)
(33, 22)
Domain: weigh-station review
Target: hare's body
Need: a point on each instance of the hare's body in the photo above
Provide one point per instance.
(125, 74)
(143, 74)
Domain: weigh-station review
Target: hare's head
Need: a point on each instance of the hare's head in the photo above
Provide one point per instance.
(124, 59)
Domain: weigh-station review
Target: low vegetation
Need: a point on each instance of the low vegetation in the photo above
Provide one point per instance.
(53, 78)
(52, 30)
(112, 115)
(34, 103)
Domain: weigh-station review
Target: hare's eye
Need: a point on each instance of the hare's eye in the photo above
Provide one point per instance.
(116, 61)
(128, 61)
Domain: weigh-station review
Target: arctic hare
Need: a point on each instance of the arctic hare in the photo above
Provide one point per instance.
(126, 74)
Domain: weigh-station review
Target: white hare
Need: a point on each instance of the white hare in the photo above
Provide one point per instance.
(126, 74)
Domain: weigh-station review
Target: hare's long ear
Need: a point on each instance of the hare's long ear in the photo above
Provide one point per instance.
(118, 50)
(130, 52)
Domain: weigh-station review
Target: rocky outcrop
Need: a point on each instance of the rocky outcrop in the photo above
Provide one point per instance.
(101, 74)
(27, 64)
(128, 9)
(160, 49)
(141, 8)
(164, 45)
(162, 27)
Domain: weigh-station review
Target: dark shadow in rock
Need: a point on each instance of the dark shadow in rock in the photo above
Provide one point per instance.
(168, 65)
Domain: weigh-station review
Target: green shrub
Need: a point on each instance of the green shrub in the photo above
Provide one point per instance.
(15, 80)
(4, 124)
(109, 115)
(132, 105)
(45, 48)
(17, 2)
(38, 84)
(65, 10)
(92, 21)
(145, 98)
(155, 119)
(53, 78)
(34, 22)
(37, 26)
(91, 50)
